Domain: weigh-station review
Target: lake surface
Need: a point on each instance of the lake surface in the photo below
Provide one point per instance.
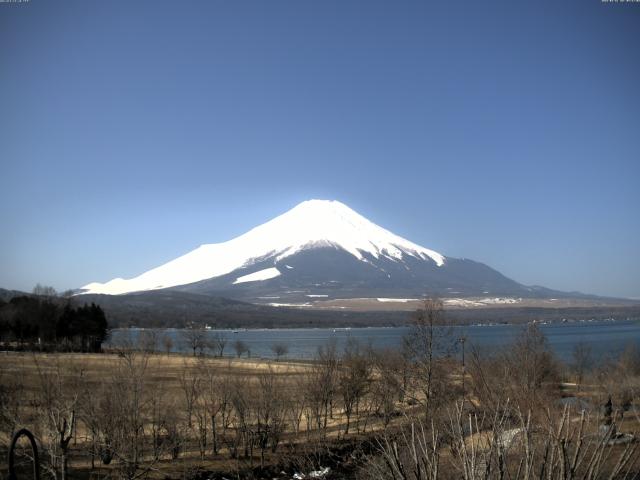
(606, 338)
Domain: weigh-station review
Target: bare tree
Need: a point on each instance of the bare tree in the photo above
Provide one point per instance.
(507, 444)
(531, 369)
(201, 407)
(270, 411)
(279, 350)
(11, 409)
(242, 414)
(430, 337)
(190, 385)
(217, 399)
(297, 401)
(162, 424)
(620, 379)
(126, 404)
(413, 454)
(353, 379)
(388, 388)
(488, 378)
(582, 360)
(630, 359)
(526, 373)
(240, 347)
(148, 340)
(194, 338)
(57, 407)
(322, 385)
(167, 343)
(44, 291)
(218, 343)
(94, 417)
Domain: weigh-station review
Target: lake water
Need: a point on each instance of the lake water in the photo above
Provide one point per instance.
(606, 338)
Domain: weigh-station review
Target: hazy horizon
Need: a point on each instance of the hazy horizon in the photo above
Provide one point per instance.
(133, 132)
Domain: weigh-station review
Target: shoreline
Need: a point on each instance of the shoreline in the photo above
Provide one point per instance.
(408, 325)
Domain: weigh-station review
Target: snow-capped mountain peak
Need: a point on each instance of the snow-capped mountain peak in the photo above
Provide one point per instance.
(327, 222)
(311, 224)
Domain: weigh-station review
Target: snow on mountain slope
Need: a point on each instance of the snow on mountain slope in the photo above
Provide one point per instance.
(265, 274)
(314, 223)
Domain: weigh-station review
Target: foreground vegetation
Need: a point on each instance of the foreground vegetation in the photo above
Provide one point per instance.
(418, 413)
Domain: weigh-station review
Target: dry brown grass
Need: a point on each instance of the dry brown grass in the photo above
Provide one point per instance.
(162, 369)
(163, 375)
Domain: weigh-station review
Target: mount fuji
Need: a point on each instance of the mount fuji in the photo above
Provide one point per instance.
(320, 250)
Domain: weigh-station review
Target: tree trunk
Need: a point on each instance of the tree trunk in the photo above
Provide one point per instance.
(63, 466)
(346, 429)
(214, 437)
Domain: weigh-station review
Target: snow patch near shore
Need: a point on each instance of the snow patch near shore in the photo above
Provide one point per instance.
(397, 300)
(480, 302)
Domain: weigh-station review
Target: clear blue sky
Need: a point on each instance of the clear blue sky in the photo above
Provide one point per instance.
(506, 132)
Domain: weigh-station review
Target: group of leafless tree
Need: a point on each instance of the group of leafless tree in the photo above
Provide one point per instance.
(193, 338)
(127, 420)
(498, 416)
(510, 422)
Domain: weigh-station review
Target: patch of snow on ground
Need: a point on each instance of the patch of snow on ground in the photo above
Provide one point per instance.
(461, 302)
(289, 304)
(322, 473)
(319, 473)
(398, 300)
(480, 302)
(500, 300)
(317, 296)
(265, 274)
